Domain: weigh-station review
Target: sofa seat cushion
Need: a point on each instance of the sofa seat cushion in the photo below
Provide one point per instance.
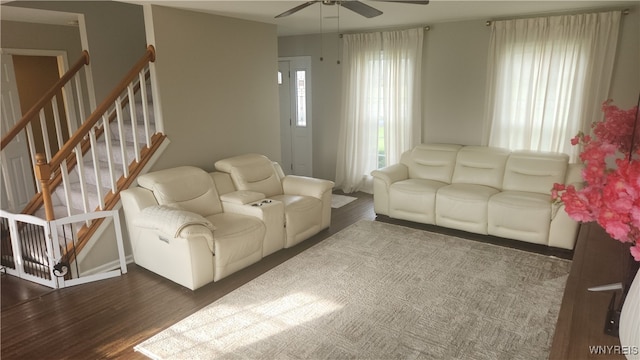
(235, 237)
(464, 207)
(520, 215)
(414, 200)
(303, 217)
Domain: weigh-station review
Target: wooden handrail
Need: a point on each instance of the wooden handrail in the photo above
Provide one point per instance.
(45, 99)
(49, 175)
(83, 130)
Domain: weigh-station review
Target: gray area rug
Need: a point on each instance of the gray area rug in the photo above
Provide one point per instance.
(382, 291)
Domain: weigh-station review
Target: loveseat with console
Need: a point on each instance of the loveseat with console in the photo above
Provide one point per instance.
(195, 227)
(480, 189)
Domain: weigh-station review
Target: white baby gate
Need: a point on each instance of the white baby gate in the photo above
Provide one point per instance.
(36, 250)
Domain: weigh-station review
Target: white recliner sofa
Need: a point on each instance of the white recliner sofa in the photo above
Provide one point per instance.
(306, 201)
(482, 190)
(179, 229)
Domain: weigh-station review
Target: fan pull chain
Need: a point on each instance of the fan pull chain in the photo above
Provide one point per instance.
(338, 38)
(321, 37)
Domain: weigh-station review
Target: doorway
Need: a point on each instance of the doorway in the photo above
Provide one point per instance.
(28, 74)
(35, 75)
(294, 86)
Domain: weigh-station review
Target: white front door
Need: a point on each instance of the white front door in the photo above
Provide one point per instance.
(295, 115)
(16, 184)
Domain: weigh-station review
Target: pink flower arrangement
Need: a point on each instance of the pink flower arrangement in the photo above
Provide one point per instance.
(611, 193)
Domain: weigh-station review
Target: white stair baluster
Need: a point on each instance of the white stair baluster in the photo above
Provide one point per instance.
(45, 135)
(107, 142)
(6, 180)
(123, 149)
(56, 120)
(72, 125)
(66, 184)
(96, 168)
(134, 120)
(32, 149)
(145, 107)
(79, 97)
(80, 169)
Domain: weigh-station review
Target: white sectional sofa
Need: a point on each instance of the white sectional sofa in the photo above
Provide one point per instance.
(482, 190)
(194, 227)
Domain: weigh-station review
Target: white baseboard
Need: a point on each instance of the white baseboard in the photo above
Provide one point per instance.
(115, 264)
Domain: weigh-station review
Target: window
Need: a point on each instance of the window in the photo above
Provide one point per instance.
(301, 96)
(547, 79)
(381, 109)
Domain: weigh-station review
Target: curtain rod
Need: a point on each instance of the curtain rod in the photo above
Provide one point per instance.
(489, 22)
(425, 28)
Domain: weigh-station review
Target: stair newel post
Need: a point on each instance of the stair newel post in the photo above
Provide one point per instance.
(43, 174)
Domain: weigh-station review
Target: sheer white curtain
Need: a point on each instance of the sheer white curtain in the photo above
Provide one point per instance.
(381, 107)
(547, 78)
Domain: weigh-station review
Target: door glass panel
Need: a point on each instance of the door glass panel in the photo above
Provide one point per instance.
(301, 98)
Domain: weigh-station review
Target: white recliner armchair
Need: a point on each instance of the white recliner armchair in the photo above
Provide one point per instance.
(307, 201)
(178, 229)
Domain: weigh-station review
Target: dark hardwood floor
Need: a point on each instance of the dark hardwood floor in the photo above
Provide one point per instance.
(105, 319)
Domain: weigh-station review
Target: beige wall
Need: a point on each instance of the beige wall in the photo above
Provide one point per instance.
(218, 87)
(625, 84)
(454, 80)
(21, 35)
(115, 33)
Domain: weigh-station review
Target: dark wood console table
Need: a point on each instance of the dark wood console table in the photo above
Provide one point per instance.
(597, 260)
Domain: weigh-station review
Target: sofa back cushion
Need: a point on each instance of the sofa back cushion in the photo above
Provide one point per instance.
(431, 161)
(253, 172)
(187, 187)
(480, 165)
(535, 171)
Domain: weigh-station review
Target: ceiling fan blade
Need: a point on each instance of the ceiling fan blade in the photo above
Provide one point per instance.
(416, 2)
(296, 9)
(360, 8)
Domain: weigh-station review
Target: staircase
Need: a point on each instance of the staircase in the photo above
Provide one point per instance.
(77, 185)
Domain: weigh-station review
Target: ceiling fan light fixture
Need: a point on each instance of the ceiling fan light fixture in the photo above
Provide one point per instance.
(353, 5)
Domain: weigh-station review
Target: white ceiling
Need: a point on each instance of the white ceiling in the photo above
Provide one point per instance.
(327, 18)
(319, 18)
(14, 13)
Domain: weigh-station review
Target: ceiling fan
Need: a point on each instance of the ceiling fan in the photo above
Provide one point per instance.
(353, 5)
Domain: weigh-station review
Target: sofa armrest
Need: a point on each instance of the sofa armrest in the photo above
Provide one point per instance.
(563, 230)
(242, 197)
(382, 180)
(186, 259)
(558, 206)
(574, 174)
(306, 186)
(174, 222)
(391, 174)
